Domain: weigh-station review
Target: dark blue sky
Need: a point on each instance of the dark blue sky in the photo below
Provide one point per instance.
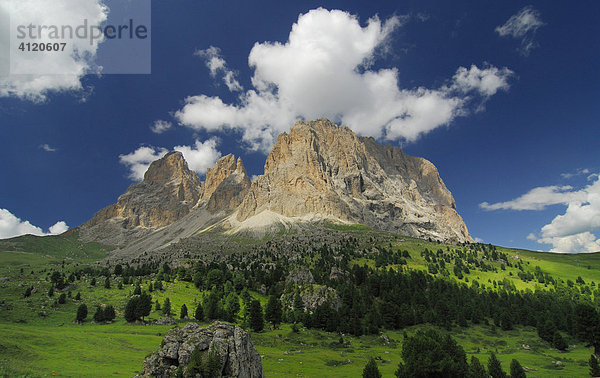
(545, 125)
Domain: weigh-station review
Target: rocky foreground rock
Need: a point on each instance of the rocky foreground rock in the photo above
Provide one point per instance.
(235, 350)
(318, 171)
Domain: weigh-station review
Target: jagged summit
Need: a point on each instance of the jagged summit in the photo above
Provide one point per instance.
(316, 171)
(321, 168)
(168, 192)
(226, 184)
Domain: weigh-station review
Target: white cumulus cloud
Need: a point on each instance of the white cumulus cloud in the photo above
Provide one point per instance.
(160, 126)
(572, 231)
(199, 157)
(11, 226)
(58, 228)
(76, 61)
(139, 160)
(324, 70)
(522, 25)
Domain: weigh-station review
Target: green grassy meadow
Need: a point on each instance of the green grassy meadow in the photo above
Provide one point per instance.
(39, 336)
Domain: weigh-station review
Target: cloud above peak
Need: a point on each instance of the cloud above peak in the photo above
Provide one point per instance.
(200, 156)
(325, 69)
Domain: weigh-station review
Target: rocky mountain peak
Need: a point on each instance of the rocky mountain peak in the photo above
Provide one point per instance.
(324, 170)
(316, 171)
(172, 166)
(223, 168)
(226, 184)
(168, 192)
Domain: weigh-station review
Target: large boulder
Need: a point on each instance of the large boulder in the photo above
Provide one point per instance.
(237, 354)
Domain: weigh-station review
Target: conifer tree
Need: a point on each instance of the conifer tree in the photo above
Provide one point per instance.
(371, 370)
(495, 367)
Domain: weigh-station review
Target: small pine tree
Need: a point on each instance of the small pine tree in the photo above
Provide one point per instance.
(93, 283)
(257, 322)
(107, 283)
(99, 315)
(476, 369)
(137, 290)
(495, 367)
(273, 311)
(196, 364)
(28, 292)
(51, 291)
(184, 312)
(516, 370)
(167, 307)
(143, 306)
(371, 370)
(559, 342)
(78, 296)
(130, 310)
(120, 286)
(82, 313)
(109, 313)
(157, 305)
(594, 367)
(62, 299)
(199, 313)
(232, 306)
(213, 364)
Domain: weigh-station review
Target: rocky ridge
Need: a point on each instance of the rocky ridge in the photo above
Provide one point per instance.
(320, 168)
(317, 171)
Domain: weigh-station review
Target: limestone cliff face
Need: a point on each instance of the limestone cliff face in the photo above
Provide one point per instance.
(226, 184)
(168, 192)
(322, 169)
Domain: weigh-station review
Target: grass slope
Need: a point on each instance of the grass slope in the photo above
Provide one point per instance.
(37, 345)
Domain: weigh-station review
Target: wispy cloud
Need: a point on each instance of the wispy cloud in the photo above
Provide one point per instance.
(160, 126)
(217, 66)
(571, 231)
(538, 199)
(523, 26)
(46, 147)
(578, 172)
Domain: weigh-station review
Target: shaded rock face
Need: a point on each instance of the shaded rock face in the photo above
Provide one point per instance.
(226, 184)
(237, 354)
(168, 192)
(320, 168)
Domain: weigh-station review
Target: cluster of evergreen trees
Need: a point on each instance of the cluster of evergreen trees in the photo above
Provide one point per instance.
(374, 298)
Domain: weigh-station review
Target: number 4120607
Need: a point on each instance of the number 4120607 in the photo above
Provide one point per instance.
(49, 46)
